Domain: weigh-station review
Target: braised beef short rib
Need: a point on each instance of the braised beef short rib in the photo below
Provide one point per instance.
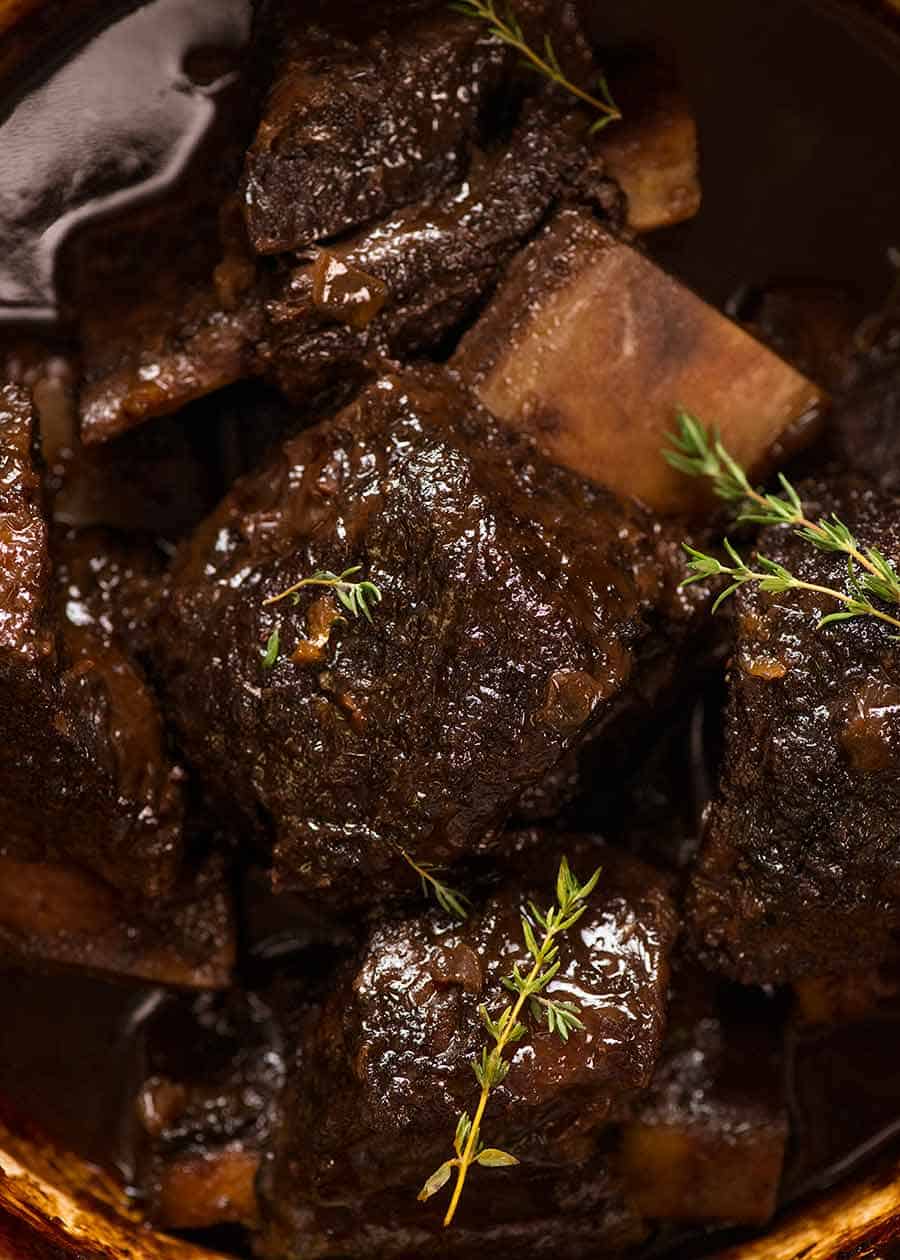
(521, 609)
(384, 1071)
(799, 873)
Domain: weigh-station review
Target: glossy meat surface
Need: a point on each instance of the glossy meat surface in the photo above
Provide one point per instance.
(24, 562)
(799, 872)
(166, 320)
(204, 789)
(91, 870)
(519, 607)
(362, 119)
(401, 287)
(386, 1069)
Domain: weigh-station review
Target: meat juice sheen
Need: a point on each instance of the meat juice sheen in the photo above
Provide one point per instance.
(115, 118)
(109, 123)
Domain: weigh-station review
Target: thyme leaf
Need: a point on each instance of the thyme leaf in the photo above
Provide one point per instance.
(271, 650)
(508, 29)
(505, 1029)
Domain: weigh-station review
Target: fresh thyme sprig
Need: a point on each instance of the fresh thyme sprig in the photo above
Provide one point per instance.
(702, 454)
(869, 573)
(448, 898)
(356, 597)
(507, 1029)
(775, 578)
(508, 29)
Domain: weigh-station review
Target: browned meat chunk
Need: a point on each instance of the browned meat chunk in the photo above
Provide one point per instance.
(521, 607)
(88, 779)
(158, 481)
(167, 318)
(363, 118)
(168, 321)
(707, 1145)
(799, 873)
(24, 562)
(383, 1073)
(403, 286)
(91, 868)
(164, 295)
(165, 360)
(603, 403)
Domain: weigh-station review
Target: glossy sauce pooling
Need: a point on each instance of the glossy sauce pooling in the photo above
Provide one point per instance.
(114, 124)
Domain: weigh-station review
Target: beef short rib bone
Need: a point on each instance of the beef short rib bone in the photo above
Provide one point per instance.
(799, 872)
(652, 152)
(520, 605)
(591, 348)
(385, 1071)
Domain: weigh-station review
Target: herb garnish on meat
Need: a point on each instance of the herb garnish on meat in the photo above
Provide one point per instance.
(562, 1018)
(271, 650)
(448, 898)
(870, 575)
(508, 29)
(356, 597)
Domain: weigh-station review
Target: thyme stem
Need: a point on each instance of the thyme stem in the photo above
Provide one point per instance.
(813, 527)
(509, 30)
(507, 1023)
(562, 1018)
(776, 579)
(447, 898)
(468, 1156)
(870, 610)
(700, 453)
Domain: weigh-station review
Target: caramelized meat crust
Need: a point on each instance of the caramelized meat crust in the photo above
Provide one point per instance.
(401, 287)
(520, 605)
(385, 1069)
(360, 121)
(799, 873)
